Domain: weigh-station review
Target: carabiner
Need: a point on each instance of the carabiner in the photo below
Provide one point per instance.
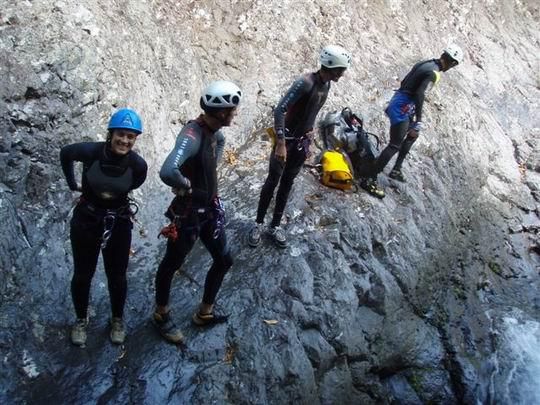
(108, 224)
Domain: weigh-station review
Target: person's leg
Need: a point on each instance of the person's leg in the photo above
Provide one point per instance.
(275, 171)
(222, 262)
(85, 238)
(397, 134)
(295, 161)
(404, 151)
(85, 244)
(175, 254)
(115, 261)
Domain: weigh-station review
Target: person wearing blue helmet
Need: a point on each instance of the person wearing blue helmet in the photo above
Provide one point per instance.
(102, 219)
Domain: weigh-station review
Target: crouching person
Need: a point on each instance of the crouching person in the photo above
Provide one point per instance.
(196, 211)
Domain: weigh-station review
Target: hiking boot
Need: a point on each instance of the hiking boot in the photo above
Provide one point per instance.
(396, 174)
(118, 334)
(278, 235)
(78, 332)
(208, 319)
(167, 328)
(372, 188)
(254, 236)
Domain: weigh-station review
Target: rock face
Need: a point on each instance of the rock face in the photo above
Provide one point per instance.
(428, 296)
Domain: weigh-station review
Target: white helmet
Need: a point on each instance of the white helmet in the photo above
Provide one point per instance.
(334, 56)
(221, 94)
(454, 52)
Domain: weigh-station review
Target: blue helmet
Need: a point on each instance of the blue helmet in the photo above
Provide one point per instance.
(126, 118)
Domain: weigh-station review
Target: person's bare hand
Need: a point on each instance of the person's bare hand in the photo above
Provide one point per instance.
(413, 133)
(281, 150)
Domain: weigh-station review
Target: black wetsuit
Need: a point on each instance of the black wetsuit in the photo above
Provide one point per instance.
(192, 164)
(106, 181)
(293, 118)
(405, 107)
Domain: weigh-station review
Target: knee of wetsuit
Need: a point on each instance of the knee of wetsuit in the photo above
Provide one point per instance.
(289, 176)
(225, 262)
(117, 279)
(273, 179)
(393, 147)
(79, 279)
(228, 261)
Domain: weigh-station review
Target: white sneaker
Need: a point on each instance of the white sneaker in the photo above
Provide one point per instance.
(279, 236)
(254, 236)
(78, 332)
(118, 334)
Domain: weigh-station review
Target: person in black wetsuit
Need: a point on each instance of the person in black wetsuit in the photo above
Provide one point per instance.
(405, 110)
(196, 211)
(293, 125)
(102, 218)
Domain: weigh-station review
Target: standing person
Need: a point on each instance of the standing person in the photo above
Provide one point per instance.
(405, 110)
(293, 125)
(102, 218)
(196, 211)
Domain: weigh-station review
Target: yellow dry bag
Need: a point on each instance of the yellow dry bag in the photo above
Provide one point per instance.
(336, 172)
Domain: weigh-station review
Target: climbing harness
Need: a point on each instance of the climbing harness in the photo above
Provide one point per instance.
(302, 143)
(109, 216)
(169, 232)
(108, 223)
(216, 213)
(179, 209)
(219, 217)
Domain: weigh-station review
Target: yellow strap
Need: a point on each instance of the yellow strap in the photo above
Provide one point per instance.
(437, 77)
(272, 135)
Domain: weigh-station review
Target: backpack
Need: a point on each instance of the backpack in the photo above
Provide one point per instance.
(345, 130)
(336, 171)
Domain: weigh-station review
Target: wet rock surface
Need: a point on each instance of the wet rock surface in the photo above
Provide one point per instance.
(404, 300)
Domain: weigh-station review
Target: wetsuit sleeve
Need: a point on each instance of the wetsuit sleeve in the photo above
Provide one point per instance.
(299, 88)
(220, 138)
(140, 169)
(187, 145)
(419, 96)
(77, 152)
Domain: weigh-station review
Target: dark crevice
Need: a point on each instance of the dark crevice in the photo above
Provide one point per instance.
(24, 230)
(20, 123)
(31, 94)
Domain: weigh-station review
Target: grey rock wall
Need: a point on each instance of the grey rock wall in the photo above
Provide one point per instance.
(403, 300)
